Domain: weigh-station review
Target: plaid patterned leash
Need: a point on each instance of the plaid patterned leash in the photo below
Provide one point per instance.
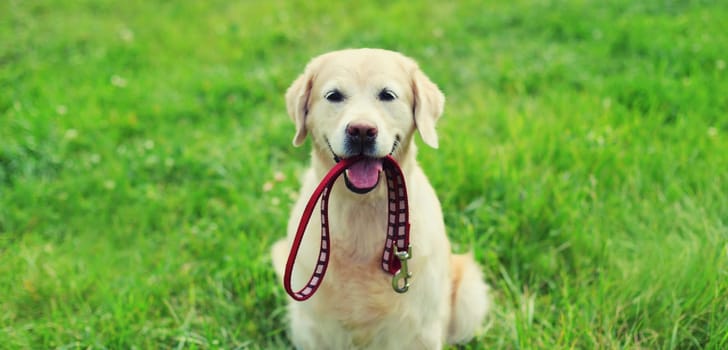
(397, 249)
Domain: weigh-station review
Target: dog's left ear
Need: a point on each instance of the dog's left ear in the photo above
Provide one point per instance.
(297, 97)
(429, 103)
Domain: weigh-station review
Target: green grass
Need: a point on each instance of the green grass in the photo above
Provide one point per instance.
(584, 157)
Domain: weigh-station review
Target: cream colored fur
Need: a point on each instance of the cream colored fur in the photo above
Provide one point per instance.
(355, 307)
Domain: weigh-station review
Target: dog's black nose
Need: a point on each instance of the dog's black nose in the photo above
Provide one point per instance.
(361, 137)
(361, 132)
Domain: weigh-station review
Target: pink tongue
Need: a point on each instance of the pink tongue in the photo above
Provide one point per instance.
(364, 173)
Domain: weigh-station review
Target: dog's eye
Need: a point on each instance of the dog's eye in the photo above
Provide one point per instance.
(334, 96)
(386, 95)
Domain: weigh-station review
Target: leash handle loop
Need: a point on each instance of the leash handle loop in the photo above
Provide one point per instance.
(397, 249)
(323, 189)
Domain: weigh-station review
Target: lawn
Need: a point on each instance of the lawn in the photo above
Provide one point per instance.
(146, 165)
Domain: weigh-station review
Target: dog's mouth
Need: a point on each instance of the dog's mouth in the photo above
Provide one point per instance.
(363, 176)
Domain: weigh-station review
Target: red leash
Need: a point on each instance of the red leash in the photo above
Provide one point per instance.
(396, 246)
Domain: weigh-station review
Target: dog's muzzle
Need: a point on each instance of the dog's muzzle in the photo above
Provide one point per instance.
(361, 138)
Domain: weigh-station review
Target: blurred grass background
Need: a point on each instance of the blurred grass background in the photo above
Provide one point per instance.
(146, 165)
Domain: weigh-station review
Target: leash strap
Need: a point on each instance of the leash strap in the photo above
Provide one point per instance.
(398, 218)
(396, 248)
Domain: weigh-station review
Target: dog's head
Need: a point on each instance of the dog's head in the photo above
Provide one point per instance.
(363, 102)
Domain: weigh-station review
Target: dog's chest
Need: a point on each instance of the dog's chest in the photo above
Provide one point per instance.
(358, 296)
(357, 293)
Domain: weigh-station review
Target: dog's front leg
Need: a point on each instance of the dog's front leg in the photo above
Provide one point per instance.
(279, 255)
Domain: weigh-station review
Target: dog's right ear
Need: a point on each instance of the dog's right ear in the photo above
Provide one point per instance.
(297, 97)
(428, 106)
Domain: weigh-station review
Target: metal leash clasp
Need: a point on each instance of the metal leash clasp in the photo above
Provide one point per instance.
(403, 273)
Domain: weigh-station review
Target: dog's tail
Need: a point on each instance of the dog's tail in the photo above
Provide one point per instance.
(470, 299)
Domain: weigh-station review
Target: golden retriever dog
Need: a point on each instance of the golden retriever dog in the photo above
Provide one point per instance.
(370, 102)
